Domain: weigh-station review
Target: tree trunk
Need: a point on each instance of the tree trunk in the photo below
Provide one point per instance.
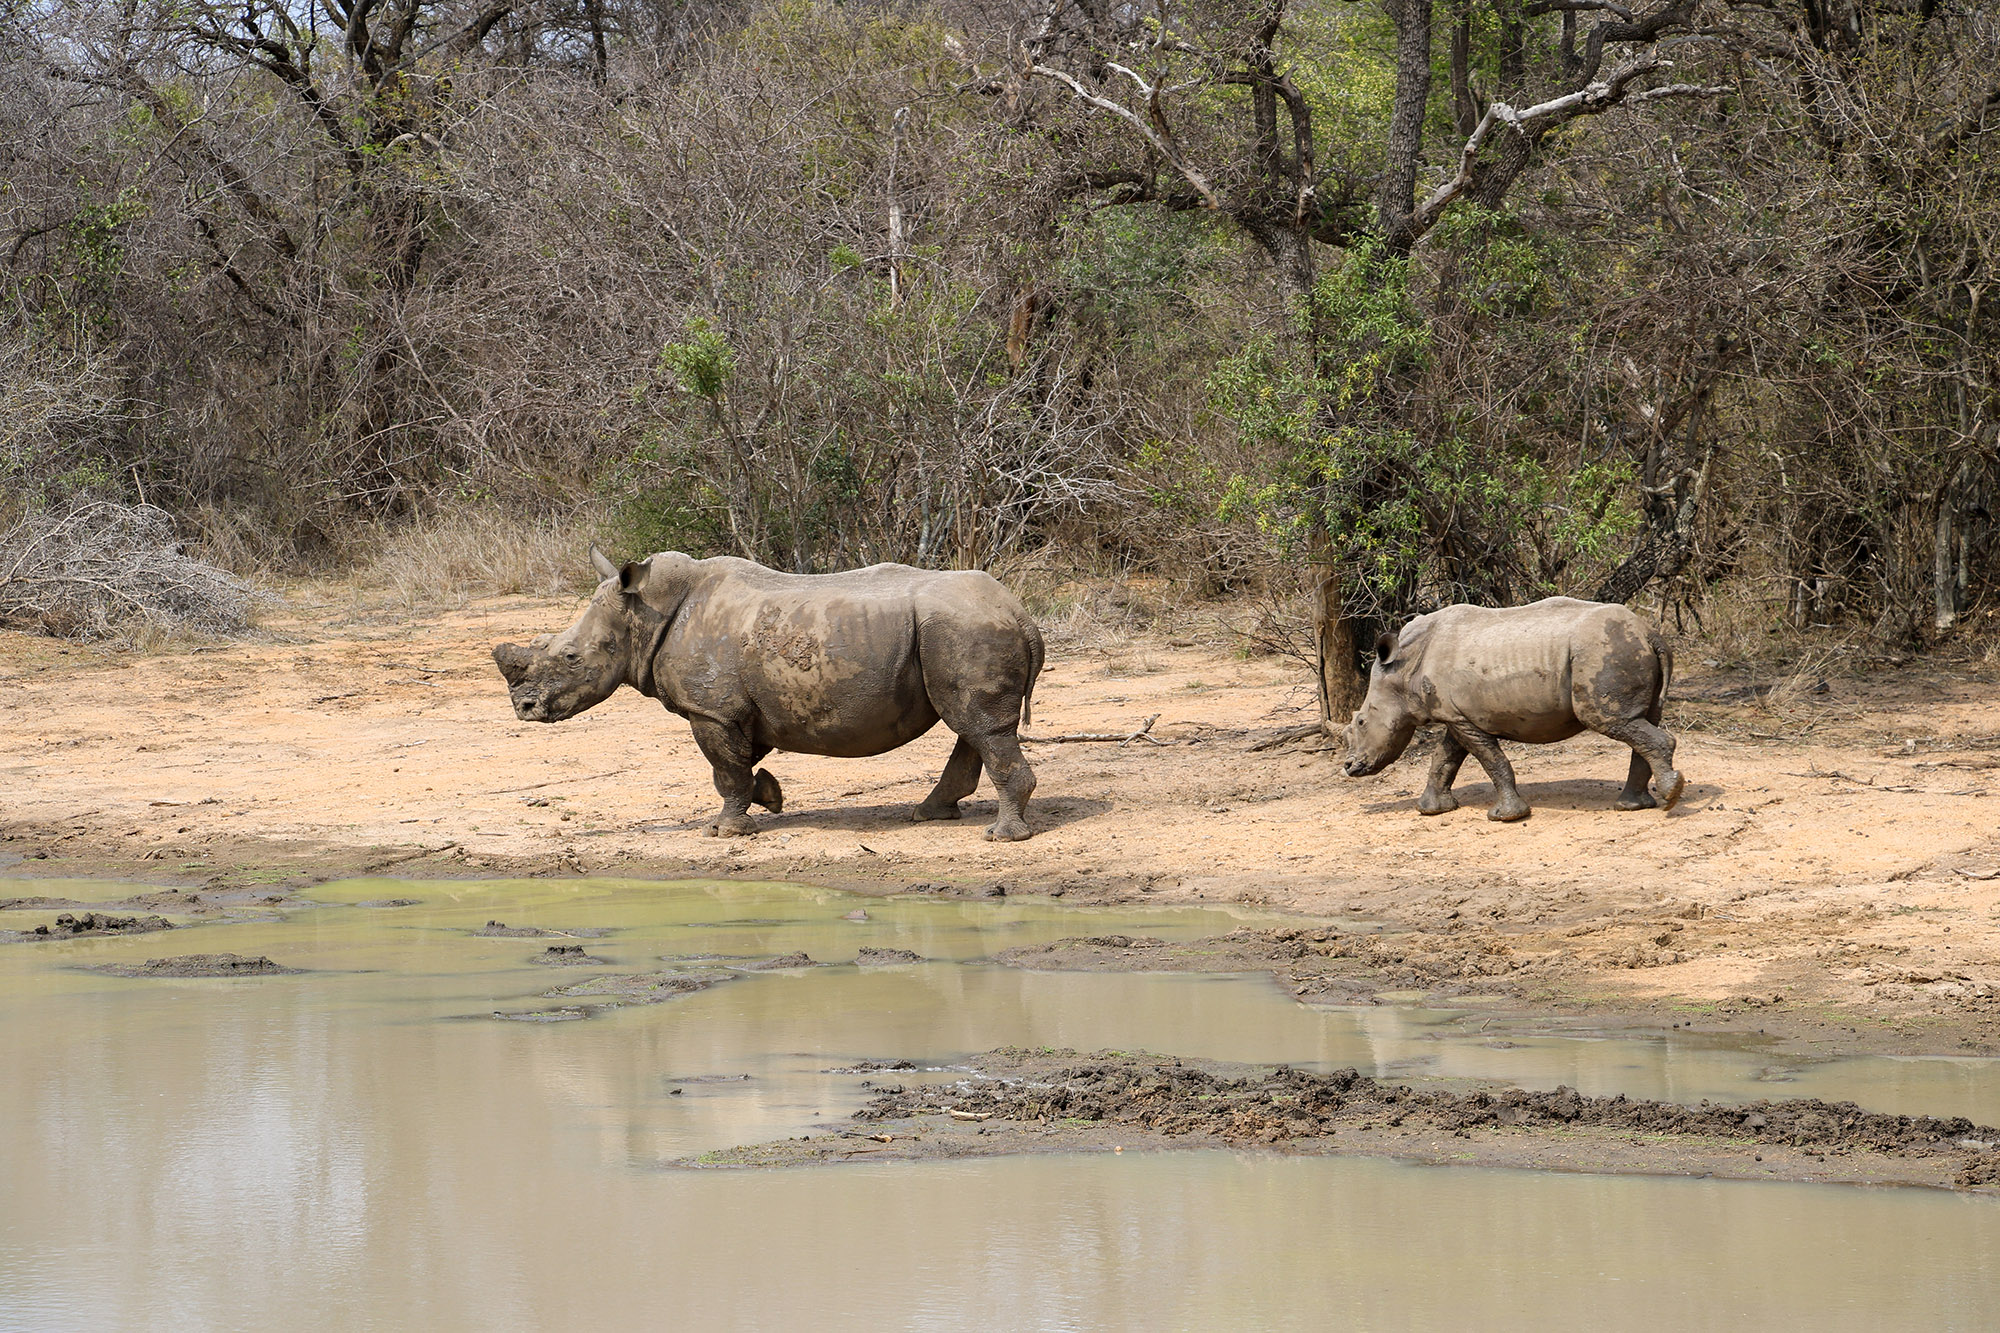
(1341, 687)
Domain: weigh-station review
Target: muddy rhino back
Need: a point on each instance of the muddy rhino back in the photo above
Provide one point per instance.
(1507, 671)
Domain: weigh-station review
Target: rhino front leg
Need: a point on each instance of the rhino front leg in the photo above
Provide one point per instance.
(961, 776)
(1652, 748)
(1012, 778)
(733, 757)
(1437, 798)
(1507, 805)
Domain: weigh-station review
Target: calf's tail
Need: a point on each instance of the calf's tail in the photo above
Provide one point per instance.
(1665, 656)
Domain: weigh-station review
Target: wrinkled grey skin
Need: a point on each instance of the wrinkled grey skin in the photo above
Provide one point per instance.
(1536, 673)
(839, 664)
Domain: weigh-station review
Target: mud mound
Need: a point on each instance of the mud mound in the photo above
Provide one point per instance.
(569, 955)
(886, 957)
(69, 927)
(600, 994)
(500, 930)
(198, 965)
(778, 964)
(1173, 1098)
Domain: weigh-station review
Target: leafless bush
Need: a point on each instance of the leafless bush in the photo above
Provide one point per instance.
(100, 570)
(52, 399)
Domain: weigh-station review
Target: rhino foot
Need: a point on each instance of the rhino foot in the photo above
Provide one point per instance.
(1508, 811)
(1016, 830)
(1641, 800)
(767, 793)
(929, 811)
(1670, 791)
(731, 826)
(1443, 803)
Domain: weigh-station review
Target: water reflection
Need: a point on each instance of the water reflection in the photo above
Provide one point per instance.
(357, 1147)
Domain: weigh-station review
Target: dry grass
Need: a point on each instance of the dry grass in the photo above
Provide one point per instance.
(448, 561)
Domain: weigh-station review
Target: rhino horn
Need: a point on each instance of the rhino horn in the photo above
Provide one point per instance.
(602, 564)
(512, 660)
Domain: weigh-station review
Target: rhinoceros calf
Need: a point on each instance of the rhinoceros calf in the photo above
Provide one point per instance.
(838, 664)
(1536, 673)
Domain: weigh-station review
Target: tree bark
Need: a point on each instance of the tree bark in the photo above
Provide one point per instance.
(1341, 687)
(1404, 150)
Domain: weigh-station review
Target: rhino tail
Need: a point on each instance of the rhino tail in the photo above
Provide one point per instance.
(1665, 655)
(1037, 653)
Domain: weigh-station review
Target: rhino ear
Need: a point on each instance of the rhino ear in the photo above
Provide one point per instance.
(1385, 646)
(633, 577)
(602, 564)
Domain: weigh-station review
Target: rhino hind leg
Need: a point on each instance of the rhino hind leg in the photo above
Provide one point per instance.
(1013, 779)
(1652, 748)
(1437, 798)
(765, 791)
(961, 776)
(1635, 796)
(1507, 803)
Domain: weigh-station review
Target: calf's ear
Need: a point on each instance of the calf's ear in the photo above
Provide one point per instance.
(1385, 647)
(633, 577)
(602, 564)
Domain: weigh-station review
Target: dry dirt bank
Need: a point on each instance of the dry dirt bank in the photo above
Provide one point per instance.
(1826, 874)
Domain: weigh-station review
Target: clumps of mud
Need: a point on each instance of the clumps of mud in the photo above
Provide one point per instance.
(1173, 1098)
(69, 926)
(583, 999)
(158, 900)
(392, 902)
(886, 957)
(500, 930)
(198, 965)
(569, 955)
(782, 963)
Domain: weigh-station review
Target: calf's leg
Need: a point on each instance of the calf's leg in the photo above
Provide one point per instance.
(1437, 798)
(1507, 804)
(961, 775)
(731, 754)
(1635, 796)
(1652, 747)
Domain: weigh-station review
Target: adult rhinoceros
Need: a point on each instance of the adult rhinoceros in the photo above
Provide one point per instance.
(1535, 673)
(839, 664)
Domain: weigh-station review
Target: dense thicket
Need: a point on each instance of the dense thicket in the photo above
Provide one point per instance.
(1401, 300)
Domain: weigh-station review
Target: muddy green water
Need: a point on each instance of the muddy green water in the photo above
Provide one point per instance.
(365, 1146)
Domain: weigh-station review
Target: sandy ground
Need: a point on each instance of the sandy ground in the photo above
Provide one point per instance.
(1835, 864)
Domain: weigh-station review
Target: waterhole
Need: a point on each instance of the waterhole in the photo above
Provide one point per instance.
(372, 1141)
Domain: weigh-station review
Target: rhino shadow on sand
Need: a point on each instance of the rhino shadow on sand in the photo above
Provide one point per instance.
(1579, 794)
(868, 818)
(847, 664)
